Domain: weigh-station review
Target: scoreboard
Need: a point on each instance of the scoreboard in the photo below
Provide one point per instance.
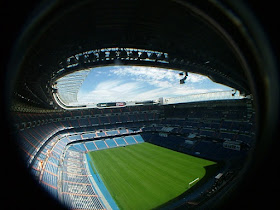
(111, 105)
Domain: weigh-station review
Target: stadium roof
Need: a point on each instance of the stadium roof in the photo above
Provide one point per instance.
(69, 85)
(87, 34)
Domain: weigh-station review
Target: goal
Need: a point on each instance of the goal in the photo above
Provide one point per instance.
(193, 182)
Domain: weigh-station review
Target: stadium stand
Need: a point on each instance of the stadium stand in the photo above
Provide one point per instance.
(54, 149)
(77, 190)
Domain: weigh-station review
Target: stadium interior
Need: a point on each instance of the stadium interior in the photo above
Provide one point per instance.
(52, 136)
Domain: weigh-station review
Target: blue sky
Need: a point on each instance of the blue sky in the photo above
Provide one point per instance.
(136, 83)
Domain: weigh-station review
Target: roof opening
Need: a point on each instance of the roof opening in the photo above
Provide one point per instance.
(130, 85)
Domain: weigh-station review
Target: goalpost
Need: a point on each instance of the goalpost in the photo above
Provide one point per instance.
(195, 180)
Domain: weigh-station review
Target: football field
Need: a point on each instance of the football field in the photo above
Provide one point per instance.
(145, 176)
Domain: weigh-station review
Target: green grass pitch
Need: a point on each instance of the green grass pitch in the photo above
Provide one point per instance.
(145, 176)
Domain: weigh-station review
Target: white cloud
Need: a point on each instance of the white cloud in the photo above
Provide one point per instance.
(111, 90)
(135, 83)
(194, 78)
(158, 77)
(154, 76)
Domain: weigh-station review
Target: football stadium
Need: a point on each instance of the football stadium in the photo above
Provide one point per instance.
(137, 157)
(128, 105)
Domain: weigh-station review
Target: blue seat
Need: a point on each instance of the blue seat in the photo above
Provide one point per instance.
(100, 144)
(120, 141)
(90, 146)
(130, 140)
(138, 138)
(110, 143)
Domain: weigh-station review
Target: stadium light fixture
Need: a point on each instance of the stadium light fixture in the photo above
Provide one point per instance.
(182, 81)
